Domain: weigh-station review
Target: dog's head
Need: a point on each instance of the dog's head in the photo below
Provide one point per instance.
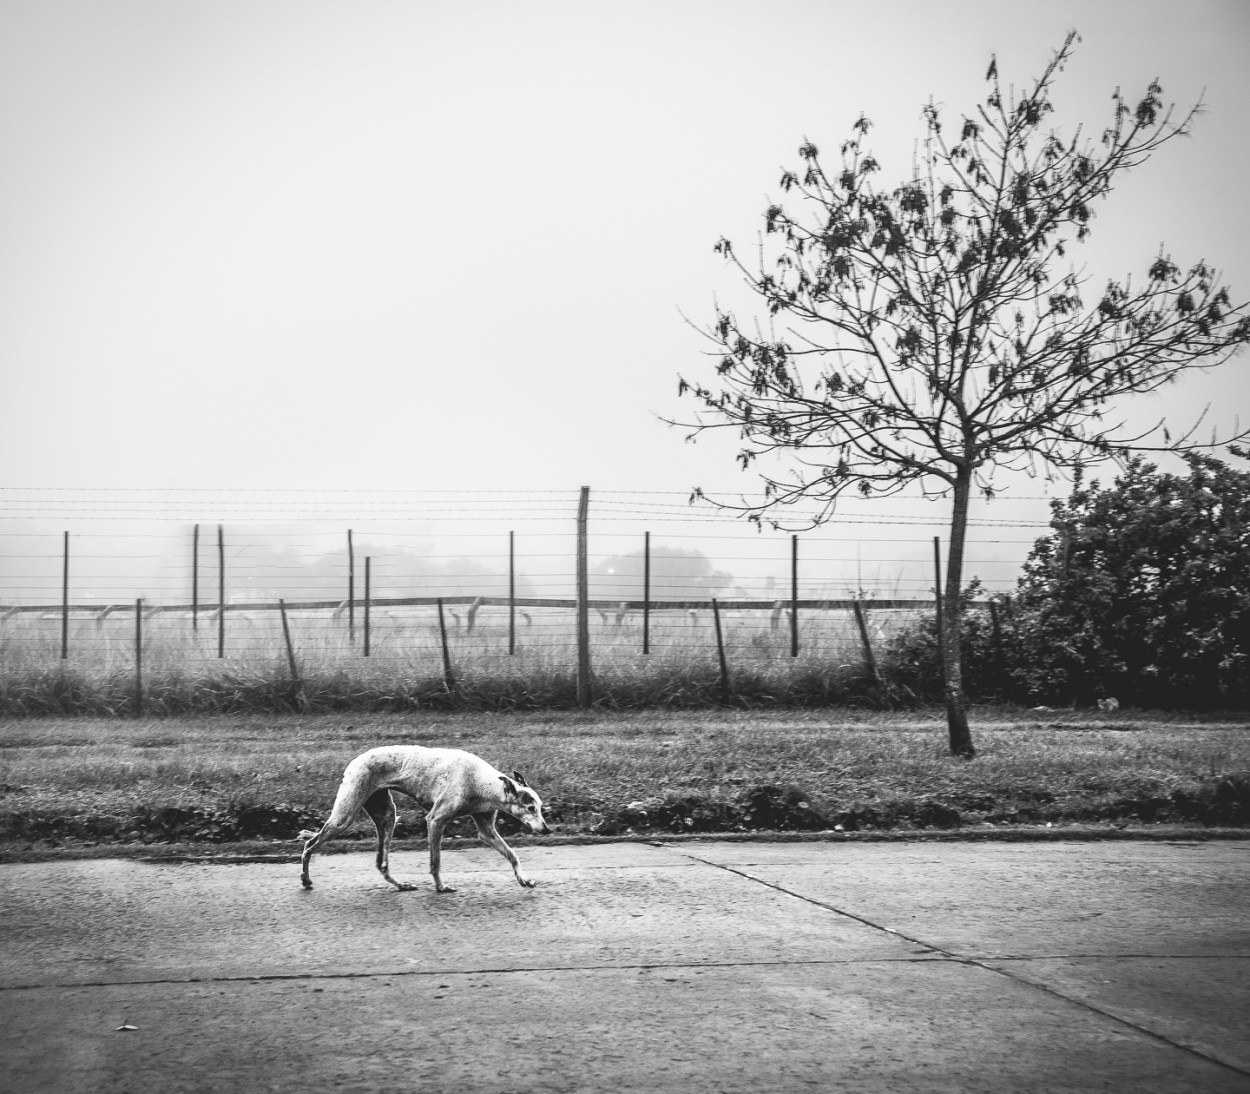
(521, 802)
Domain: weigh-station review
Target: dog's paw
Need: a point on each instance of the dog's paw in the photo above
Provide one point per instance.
(527, 883)
(307, 885)
(405, 886)
(444, 889)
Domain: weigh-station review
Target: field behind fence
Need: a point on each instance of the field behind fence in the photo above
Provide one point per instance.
(557, 599)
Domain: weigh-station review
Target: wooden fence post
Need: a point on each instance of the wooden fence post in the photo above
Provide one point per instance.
(794, 596)
(221, 592)
(138, 658)
(937, 589)
(297, 685)
(351, 590)
(720, 652)
(870, 658)
(65, 598)
(646, 593)
(368, 596)
(583, 600)
(195, 577)
(511, 593)
(997, 629)
(449, 680)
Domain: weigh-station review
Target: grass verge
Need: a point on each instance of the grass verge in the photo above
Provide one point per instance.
(254, 779)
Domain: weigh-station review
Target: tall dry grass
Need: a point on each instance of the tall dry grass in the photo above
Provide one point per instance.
(182, 673)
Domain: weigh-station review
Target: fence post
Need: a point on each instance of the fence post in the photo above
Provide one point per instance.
(65, 598)
(195, 577)
(297, 685)
(794, 596)
(368, 592)
(870, 658)
(511, 593)
(351, 590)
(138, 658)
(449, 680)
(583, 601)
(221, 592)
(646, 592)
(720, 652)
(996, 625)
(937, 590)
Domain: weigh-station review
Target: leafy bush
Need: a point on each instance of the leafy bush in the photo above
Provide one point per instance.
(1141, 591)
(913, 668)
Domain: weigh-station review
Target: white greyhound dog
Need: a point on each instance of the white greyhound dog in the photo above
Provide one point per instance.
(448, 782)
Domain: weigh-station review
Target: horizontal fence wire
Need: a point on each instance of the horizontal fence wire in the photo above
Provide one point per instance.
(210, 595)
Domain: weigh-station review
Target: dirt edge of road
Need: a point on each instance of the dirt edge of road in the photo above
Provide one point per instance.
(285, 850)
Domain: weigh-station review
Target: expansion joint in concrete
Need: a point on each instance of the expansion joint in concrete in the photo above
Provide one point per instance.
(980, 963)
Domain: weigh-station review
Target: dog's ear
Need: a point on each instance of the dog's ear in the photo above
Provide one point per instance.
(519, 778)
(509, 787)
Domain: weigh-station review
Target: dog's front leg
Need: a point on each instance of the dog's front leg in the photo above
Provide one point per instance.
(489, 835)
(434, 829)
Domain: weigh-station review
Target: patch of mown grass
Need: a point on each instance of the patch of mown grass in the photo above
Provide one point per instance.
(221, 778)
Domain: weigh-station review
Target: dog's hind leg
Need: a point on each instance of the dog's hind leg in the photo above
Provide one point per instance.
(381, 809)
(351, 796)
(328, 831)
(489, 835)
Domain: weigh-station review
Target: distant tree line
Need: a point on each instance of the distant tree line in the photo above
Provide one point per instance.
(676, 573)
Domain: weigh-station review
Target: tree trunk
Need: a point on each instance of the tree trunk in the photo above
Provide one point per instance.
(952, 623)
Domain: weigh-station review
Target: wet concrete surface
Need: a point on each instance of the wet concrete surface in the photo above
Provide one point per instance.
(703, 965)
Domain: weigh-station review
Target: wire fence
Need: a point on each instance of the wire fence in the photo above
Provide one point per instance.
(448, 584)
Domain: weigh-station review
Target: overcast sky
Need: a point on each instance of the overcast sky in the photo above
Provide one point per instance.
(448, 246)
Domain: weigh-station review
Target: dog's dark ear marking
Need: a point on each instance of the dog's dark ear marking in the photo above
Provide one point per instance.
(519, 778)
(509, 787)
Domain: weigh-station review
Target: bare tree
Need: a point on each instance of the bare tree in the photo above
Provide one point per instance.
(937, 332)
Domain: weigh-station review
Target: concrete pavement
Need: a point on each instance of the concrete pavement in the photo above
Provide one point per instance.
(703, 965)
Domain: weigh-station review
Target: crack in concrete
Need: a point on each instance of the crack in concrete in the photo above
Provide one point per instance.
(981, 963)
(502, 971)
